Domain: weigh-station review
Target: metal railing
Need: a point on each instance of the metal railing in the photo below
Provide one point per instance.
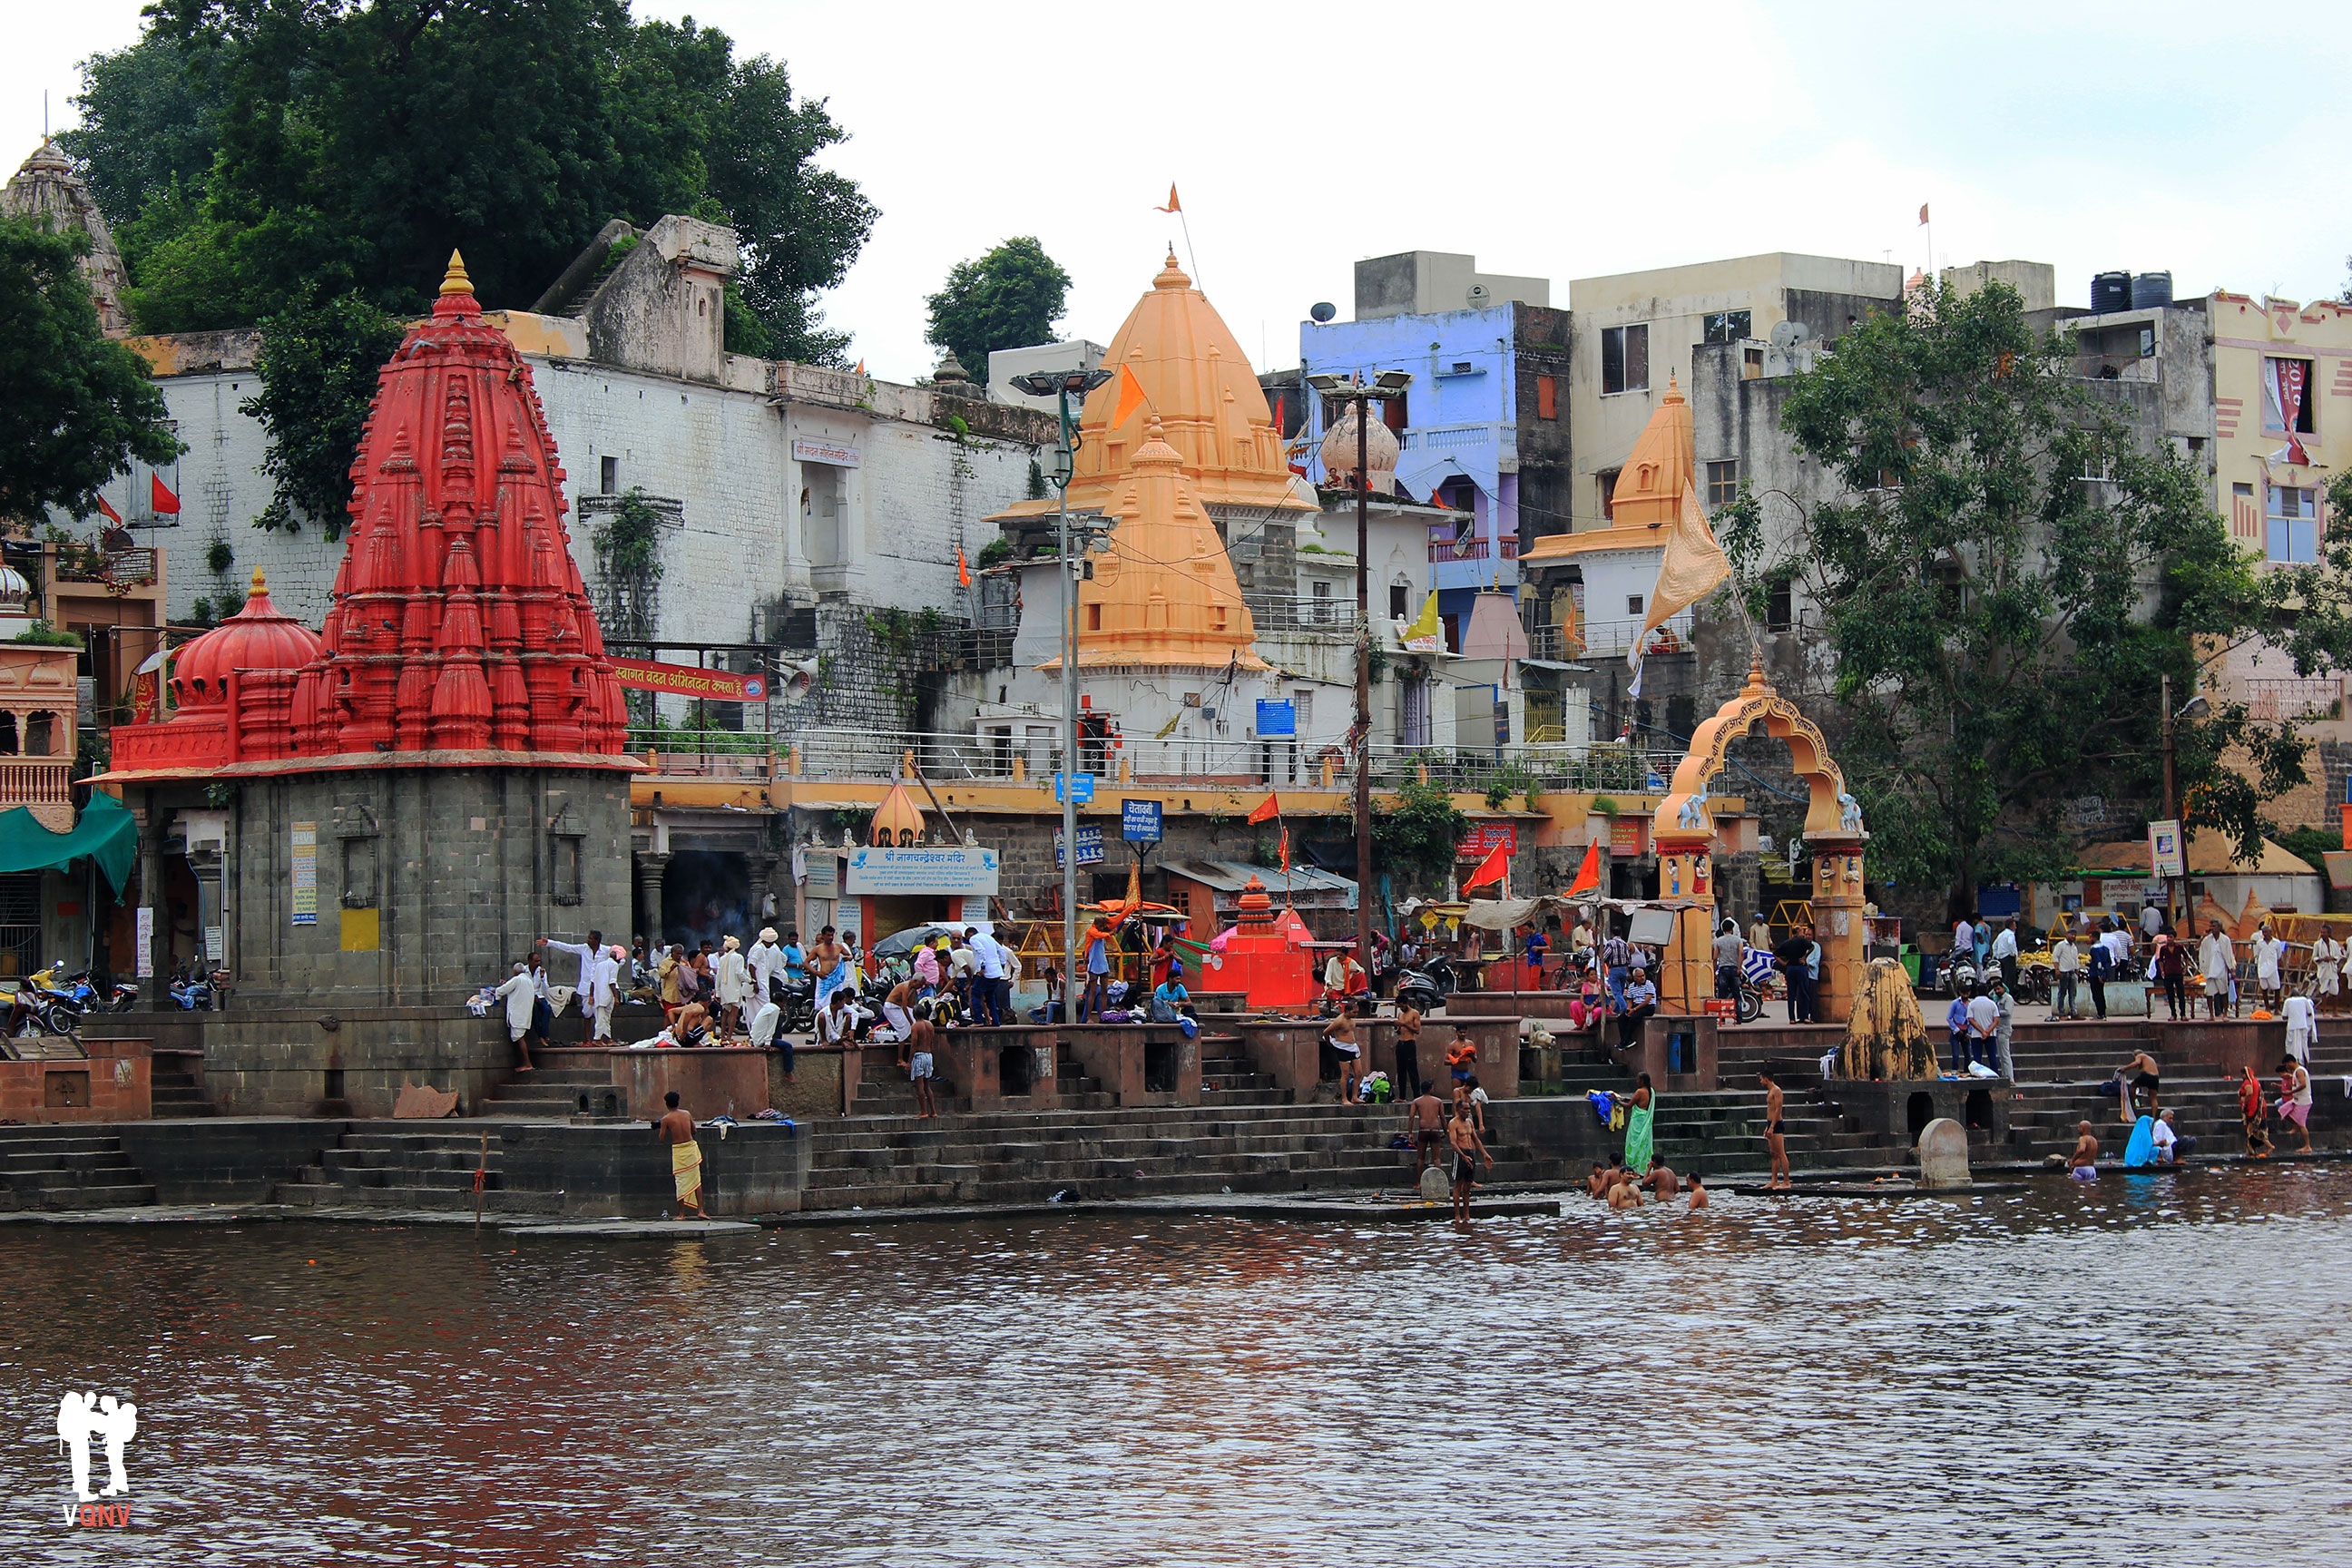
(2273, 698)
(1303, 613)
(1472, 549)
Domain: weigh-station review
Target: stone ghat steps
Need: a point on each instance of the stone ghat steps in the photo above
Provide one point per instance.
(66, 1169)
(550, 1093)
(1039, 1190)
(175, 1095)
(422, 1170)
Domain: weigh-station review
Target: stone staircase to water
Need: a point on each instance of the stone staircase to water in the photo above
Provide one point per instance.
(64, 1167)
(379, 1167)
(551, 1092)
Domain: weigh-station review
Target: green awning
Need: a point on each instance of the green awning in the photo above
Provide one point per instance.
(107, 830)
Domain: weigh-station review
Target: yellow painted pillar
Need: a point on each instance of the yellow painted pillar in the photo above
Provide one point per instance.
(1838, 922)
(1686, 870)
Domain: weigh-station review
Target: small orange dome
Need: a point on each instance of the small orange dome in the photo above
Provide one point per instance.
(256, 637)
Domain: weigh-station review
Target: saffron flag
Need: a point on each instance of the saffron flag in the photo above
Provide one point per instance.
(1272, 808)
(1171, 206)
(1130, 398)
(1923, 211)
(1694, 565)
(166, 504)
(1425, 634)
(861, 367)
(1493, 869)
(963, 573)
(1588, 875)
(1437, 497)
(1285, 850)
(112, 516)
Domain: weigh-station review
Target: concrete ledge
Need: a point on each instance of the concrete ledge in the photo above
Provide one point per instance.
(709, 1081)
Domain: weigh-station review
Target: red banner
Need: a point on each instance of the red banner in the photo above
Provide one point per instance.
(1625, 834)
(1483, 839)
(685, 681)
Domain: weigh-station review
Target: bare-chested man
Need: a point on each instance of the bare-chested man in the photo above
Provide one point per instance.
(2082, 1164)
(675, 1129)
(824, 963)
(1662, 1179)
(1625, 1194)
(1776, 1140)
(1596, 1185)
(2145, 1077)
(922, 1038)
(1467, 1147)
(1340, 1035)
(1425, 1123)
(898, 1009)
(1699, 1192)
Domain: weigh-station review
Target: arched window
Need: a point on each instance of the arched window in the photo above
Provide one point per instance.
(40, 735)
(7, 734)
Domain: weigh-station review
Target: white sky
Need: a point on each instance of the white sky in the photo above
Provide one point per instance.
(1561, 141)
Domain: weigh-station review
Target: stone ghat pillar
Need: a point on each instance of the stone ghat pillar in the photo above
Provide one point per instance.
(1686, 870)
(1838, 922)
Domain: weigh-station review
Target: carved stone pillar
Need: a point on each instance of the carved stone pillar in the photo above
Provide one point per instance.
(1686, 870)
(651, 868)
(1840, 924)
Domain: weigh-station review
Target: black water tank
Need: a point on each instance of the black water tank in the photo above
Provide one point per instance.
(2151, 289)
(2110, 291)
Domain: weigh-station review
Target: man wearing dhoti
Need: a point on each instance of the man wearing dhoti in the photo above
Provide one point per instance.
(2327, 983)
(677, 1130)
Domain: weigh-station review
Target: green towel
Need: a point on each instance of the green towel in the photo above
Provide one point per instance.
(1637, 1139)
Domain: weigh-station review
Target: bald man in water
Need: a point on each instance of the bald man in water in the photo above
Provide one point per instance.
(2082, 1164)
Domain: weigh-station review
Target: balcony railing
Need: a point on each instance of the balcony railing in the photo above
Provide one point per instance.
(2275, 698)
(27, 782)
(1472, 549)
(130, 568)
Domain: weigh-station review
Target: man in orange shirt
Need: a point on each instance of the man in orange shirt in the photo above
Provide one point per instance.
(1461, 1055)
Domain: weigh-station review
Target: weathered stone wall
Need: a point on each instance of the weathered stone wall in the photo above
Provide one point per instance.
(275, 1061)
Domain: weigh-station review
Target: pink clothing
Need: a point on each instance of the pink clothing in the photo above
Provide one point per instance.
(927, 965)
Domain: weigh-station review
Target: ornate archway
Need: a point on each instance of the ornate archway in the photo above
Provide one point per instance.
(1683, 831)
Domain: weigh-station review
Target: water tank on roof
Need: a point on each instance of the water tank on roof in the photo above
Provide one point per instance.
(2151, 289)
(2110, 291)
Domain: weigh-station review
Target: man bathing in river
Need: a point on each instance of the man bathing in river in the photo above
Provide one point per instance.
(1699, 1192)
(1425, 1122)
(922, 1043)
(677, 1130)
(2082, 1164)
(1467, 1146)
(1662, 1179)
(1776, 1140)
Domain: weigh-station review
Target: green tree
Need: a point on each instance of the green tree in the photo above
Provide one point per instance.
(76, 408)
(1416, 831)
(1008, 299)
(358, 144)
(2003, 580)
(318, 365)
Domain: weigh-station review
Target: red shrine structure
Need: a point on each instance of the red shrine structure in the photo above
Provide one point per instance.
(381, 816)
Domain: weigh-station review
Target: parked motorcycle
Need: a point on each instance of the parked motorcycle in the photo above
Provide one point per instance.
(796, 999)
(1426, 986)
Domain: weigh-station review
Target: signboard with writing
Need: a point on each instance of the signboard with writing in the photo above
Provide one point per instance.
(1138, 821)
(146, 943)
(951, 870)
(1277, 718)
(1625, 834)
(1089, 846)
(1483, 837)
(685, 681)
(2165, 856)
(839, 453)
(305, 873)
(1080, 785)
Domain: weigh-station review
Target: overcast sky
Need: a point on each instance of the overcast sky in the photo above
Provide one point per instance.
(1559, 140)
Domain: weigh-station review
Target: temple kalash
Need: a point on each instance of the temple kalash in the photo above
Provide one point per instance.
(384, 812)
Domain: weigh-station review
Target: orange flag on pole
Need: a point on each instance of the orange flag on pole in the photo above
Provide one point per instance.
(963, 573)
(1270, 807)
(1130, 398)
(112, 516)
(1171, 206)
(1285, 850)
(1493, 869)
(1588, 875)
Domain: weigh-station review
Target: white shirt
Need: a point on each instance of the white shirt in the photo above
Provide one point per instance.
(834, 1024)
(2005, 944)
(764, 959)
(1963, 935)
(2267, 949)
(2064, 956)
(598, 971)
(990, 954)
(2327, 949)
(2151, 920)
(2302, 1017)
(1984, 1016)
(729, 979)
(2163, 1136)
(2217, 956)
(519, 997)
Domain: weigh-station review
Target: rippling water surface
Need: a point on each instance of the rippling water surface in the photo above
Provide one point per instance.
(2152, 1370)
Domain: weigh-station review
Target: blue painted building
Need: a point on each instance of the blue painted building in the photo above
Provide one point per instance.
(1483, 426)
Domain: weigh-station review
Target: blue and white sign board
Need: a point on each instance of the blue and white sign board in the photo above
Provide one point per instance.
(1275, 718)
(1081, 788)
(952, 871)
(1089, 846)
(1656, 783)
(1138, 821)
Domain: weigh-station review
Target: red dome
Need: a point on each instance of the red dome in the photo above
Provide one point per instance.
(256, 637)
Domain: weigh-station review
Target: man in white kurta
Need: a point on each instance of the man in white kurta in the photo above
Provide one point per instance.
(599, 983)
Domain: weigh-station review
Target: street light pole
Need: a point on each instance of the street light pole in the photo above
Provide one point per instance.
(2194, 706)
(1061, 385)
(1360, 396)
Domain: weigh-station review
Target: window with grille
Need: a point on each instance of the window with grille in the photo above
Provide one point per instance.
(1726, 326)
(1723, 482)
(1625, 359)
(1779, 610)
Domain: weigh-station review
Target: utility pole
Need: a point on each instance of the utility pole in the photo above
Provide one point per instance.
(1061, 385)
(1360, 396)
(2196, 707)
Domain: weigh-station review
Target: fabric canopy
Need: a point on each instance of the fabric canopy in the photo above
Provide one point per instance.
(107, 830)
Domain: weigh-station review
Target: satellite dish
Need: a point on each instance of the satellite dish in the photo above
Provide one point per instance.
(1789, 334)
(1480, 296)
(1323, 311)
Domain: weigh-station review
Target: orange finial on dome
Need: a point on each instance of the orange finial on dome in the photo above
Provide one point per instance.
(1172, 276)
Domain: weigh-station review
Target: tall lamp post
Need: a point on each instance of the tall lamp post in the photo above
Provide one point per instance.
(1062, 385)
(1362, 396)
(2195, 708)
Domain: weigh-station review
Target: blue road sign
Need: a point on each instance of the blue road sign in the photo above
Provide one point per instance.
(1139, 820)
(1081, 788)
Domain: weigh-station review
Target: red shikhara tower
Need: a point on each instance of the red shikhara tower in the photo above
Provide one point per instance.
(459, 622)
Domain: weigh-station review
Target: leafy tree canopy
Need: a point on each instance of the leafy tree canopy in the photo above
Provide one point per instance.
(2004, 578)
(259, 155)
(76, 408)
(1414, 833)
(319, 368)
(1008, 299)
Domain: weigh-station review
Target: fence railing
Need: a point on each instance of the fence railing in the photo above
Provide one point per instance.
(2274, 697)
(1472, 549)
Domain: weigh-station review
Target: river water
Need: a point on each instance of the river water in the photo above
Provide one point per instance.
(2149, 1369)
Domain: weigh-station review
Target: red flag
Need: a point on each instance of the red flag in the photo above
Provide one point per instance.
(166, 504)
(1272, 808)
(112, 516)
(1493, 869)
(1171, 206)
(963, 573)
(1588, 875)
(1285, 850)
